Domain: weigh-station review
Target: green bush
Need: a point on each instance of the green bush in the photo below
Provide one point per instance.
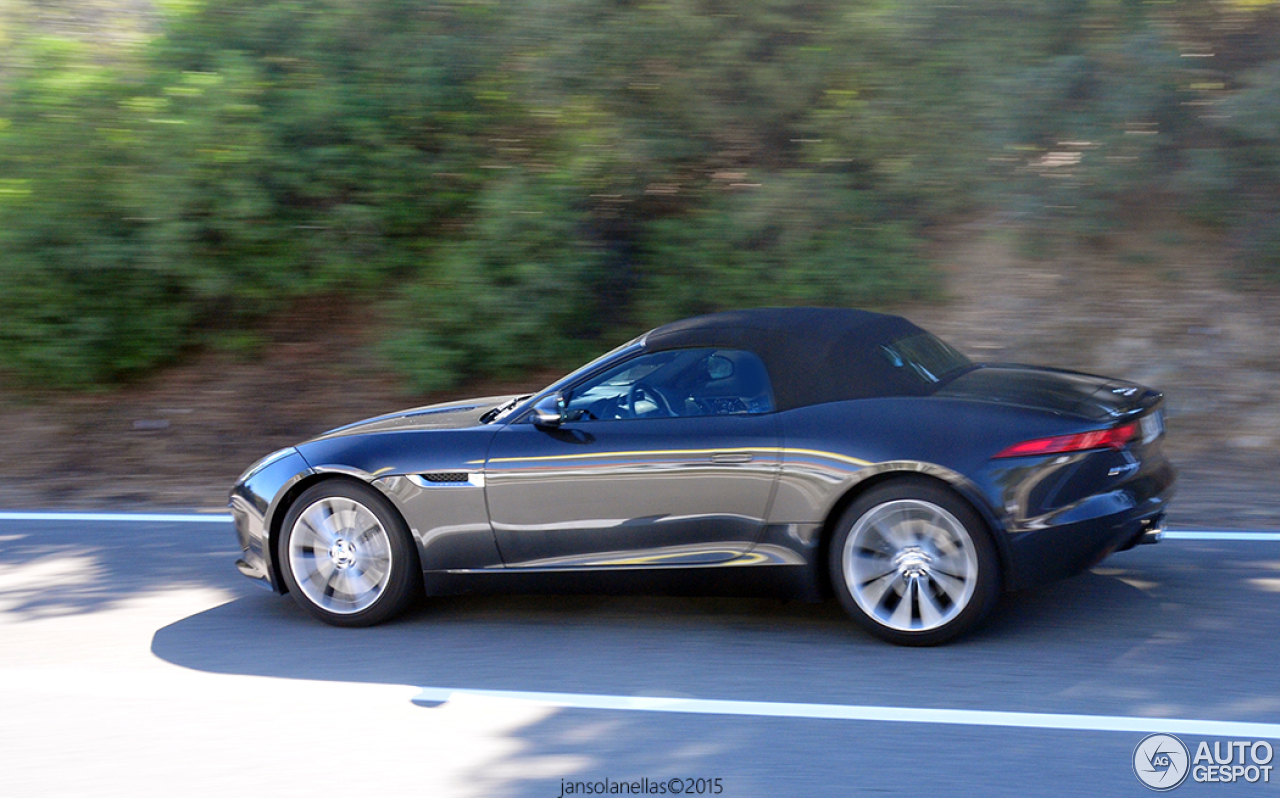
(793, 240)
(529, 179)
(517, 290)
(231, 166)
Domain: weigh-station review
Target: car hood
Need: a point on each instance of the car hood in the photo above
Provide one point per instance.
(448, 415)
(1057, 391)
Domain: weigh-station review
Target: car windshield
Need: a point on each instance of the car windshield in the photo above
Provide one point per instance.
(500, 413)
(927, 358)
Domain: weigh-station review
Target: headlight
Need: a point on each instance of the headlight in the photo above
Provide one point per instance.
(264, 462)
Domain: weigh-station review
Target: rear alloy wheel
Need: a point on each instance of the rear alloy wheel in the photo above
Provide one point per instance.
(347, 556)
(913, 563)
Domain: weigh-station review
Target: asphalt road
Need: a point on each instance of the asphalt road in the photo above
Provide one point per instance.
(136, 661)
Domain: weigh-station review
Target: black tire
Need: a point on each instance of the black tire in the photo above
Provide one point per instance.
(913, 563)
(370, 572)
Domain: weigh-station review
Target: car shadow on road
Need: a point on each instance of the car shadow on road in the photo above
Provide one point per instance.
(735, 648)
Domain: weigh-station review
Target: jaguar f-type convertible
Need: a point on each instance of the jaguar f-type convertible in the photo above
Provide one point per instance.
(795, 451)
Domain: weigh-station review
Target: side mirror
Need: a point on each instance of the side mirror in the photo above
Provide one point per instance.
(549, 411)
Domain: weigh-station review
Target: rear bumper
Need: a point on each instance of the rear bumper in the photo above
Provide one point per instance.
(1078, 539)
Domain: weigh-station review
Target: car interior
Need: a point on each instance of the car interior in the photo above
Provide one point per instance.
(675, 383)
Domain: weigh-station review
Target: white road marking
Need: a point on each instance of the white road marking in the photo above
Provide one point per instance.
(1185, 534)
(961, 717)
(167, 518)
(225, 518)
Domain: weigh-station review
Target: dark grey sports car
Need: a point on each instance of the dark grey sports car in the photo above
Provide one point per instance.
(799, 451)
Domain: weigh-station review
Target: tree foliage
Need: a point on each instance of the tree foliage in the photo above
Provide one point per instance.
(513, 183)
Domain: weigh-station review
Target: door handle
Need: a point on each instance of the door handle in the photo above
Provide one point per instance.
(731, 457)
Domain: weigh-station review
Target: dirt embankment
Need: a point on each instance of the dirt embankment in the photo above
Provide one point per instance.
(1161, 314)
(1163, 317)
(180, 437)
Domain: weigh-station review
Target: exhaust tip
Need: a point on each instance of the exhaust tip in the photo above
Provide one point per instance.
(1154, 533)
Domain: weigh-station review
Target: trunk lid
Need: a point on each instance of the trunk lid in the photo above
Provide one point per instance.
(1057, 391)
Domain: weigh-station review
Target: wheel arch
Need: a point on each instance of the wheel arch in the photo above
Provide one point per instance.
(948, 480)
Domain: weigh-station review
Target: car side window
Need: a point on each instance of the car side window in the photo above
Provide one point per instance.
(677, 382)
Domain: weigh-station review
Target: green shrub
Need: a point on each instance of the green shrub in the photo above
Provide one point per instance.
(532, 178)
(517, 291)
(794, 240)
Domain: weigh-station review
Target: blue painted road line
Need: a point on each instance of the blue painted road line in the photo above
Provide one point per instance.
(168, 518)
(1185, 534)
(431, 696)
(224, 518)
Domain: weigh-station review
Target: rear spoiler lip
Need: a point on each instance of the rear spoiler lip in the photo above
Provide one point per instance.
(1144, 399)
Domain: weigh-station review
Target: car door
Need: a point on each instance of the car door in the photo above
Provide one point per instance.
(669, 458)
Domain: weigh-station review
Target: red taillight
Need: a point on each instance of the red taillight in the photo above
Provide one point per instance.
(1114, 438)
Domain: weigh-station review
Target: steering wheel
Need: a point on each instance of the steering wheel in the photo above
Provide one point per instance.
(638, 390)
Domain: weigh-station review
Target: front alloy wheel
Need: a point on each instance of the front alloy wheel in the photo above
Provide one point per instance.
(913, 564)
(347, 556)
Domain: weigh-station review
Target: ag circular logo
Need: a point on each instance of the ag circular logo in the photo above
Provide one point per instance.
(1160, 761)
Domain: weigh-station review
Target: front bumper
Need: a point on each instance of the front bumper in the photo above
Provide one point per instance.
(253, 503)
(251, 529)
(256, 570)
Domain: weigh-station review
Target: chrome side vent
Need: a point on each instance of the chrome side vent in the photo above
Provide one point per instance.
(446, 476)
(447, 479)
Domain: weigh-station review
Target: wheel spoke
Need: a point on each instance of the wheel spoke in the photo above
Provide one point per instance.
(320, 571)
(894, 535)
(348, 585)
(317, 523)
(368, 535)
(875, 589)
(878, 546)
(872, 568)
(331, 584)
(360, 580)
(919, 529)
(375, 567)
(328, 514)
(344, 518)
(930, 613)
(944, 544)
(954, 588)
(951, 566)
(901, 617)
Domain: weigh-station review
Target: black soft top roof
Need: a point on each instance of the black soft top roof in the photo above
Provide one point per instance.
(814, 355)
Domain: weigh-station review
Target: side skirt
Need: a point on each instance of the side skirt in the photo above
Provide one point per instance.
(782, 581)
